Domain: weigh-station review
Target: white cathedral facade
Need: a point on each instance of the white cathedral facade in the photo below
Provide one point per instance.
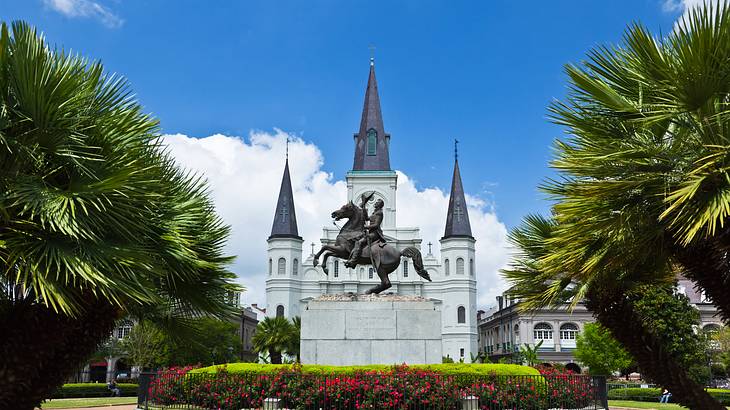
(293, 280)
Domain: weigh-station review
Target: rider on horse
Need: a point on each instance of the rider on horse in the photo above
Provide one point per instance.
(373, 233)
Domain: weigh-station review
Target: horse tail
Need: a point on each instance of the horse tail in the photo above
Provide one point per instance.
(415, 254)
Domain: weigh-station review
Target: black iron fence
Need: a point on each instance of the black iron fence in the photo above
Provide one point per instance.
(412, 391)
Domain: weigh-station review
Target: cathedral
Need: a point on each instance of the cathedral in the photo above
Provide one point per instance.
(292, 279)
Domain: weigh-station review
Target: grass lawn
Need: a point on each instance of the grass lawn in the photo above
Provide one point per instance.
(88, 402)
(644, 405)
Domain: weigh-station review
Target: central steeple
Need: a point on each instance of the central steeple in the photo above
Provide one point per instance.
(371, 142)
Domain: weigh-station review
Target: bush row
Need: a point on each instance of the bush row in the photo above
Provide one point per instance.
(451, 369)
(71, 390)
(653, 394)
(398, 387)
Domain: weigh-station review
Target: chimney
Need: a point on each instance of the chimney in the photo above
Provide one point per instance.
(500, 302)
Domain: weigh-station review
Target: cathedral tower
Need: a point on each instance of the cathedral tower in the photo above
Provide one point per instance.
(284, 253)
(459, 274)
(371, 166)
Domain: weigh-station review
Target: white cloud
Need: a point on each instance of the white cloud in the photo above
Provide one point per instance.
(686, 6)
(85, 8)
(245, 174)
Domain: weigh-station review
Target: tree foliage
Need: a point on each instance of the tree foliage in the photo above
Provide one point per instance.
(675, 321)
(96, 221)
(596, 348)
(277, 335)
(212, 341)
(642, 190)
(720, 347)
(145, 346)
(529, 354)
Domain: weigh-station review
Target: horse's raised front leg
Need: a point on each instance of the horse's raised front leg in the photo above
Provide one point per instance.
(335, 251)
(324, 263)
(322, 250)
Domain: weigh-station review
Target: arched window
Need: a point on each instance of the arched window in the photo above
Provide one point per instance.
(372, 141)
(461, 314)
(271, 266)
(460, 266)
(446, 267)
(362, 273)
(711, 328)
(568, 333)
(405, 269)
(471, 267)
(370, 273)
(280, 311)
(295, 267)
(337, 268)
(517, 334)
(282, 266)
(544, 332)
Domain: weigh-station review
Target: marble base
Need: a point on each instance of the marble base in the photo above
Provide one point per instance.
(371, 330)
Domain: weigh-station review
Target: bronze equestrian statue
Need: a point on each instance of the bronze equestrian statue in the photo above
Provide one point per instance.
(362, 244)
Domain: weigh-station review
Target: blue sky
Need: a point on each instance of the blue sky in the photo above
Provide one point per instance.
(483, 72)
(230, 81)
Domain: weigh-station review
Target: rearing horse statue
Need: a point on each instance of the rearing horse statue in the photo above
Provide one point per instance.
(384, 257)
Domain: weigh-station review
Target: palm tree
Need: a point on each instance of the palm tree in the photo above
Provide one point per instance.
(96, 221)
(612, 303)
(530, 354)
(645, 173)
(295, 337)
(273, 335)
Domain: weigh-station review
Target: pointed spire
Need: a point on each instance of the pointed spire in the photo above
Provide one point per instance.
(371, 142)
(457, 218)
(285, 218)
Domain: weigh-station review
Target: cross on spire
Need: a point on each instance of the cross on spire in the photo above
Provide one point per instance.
(287, 148)
(457, 218)
(312, 248)
(372, 54)
(429, 247)
(285, 216)
(284, 212)
(458, 212)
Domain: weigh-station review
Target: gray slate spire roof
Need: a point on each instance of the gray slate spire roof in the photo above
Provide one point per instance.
(285, 218)
(457, 218)
(371, 157)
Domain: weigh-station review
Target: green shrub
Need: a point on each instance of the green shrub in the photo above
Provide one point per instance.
(453, 369)
(71, 390)
(653, 394)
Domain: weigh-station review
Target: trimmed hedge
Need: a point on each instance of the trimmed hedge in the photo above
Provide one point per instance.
(653, 394)
(451, 369)
(73, 390)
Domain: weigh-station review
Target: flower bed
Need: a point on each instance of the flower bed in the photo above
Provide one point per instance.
(398, 387)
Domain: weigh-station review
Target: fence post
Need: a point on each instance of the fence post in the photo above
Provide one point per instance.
(271, 404)
(470, 403)
(602, 391)
(143, 388)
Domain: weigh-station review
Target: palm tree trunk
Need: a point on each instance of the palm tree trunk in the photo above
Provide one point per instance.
(275, 357)
(708, 265)
(616, 313)
(40, 348)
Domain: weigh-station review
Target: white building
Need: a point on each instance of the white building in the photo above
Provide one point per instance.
(292, 280)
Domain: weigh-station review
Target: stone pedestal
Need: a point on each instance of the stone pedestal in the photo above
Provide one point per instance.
(346, 330)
